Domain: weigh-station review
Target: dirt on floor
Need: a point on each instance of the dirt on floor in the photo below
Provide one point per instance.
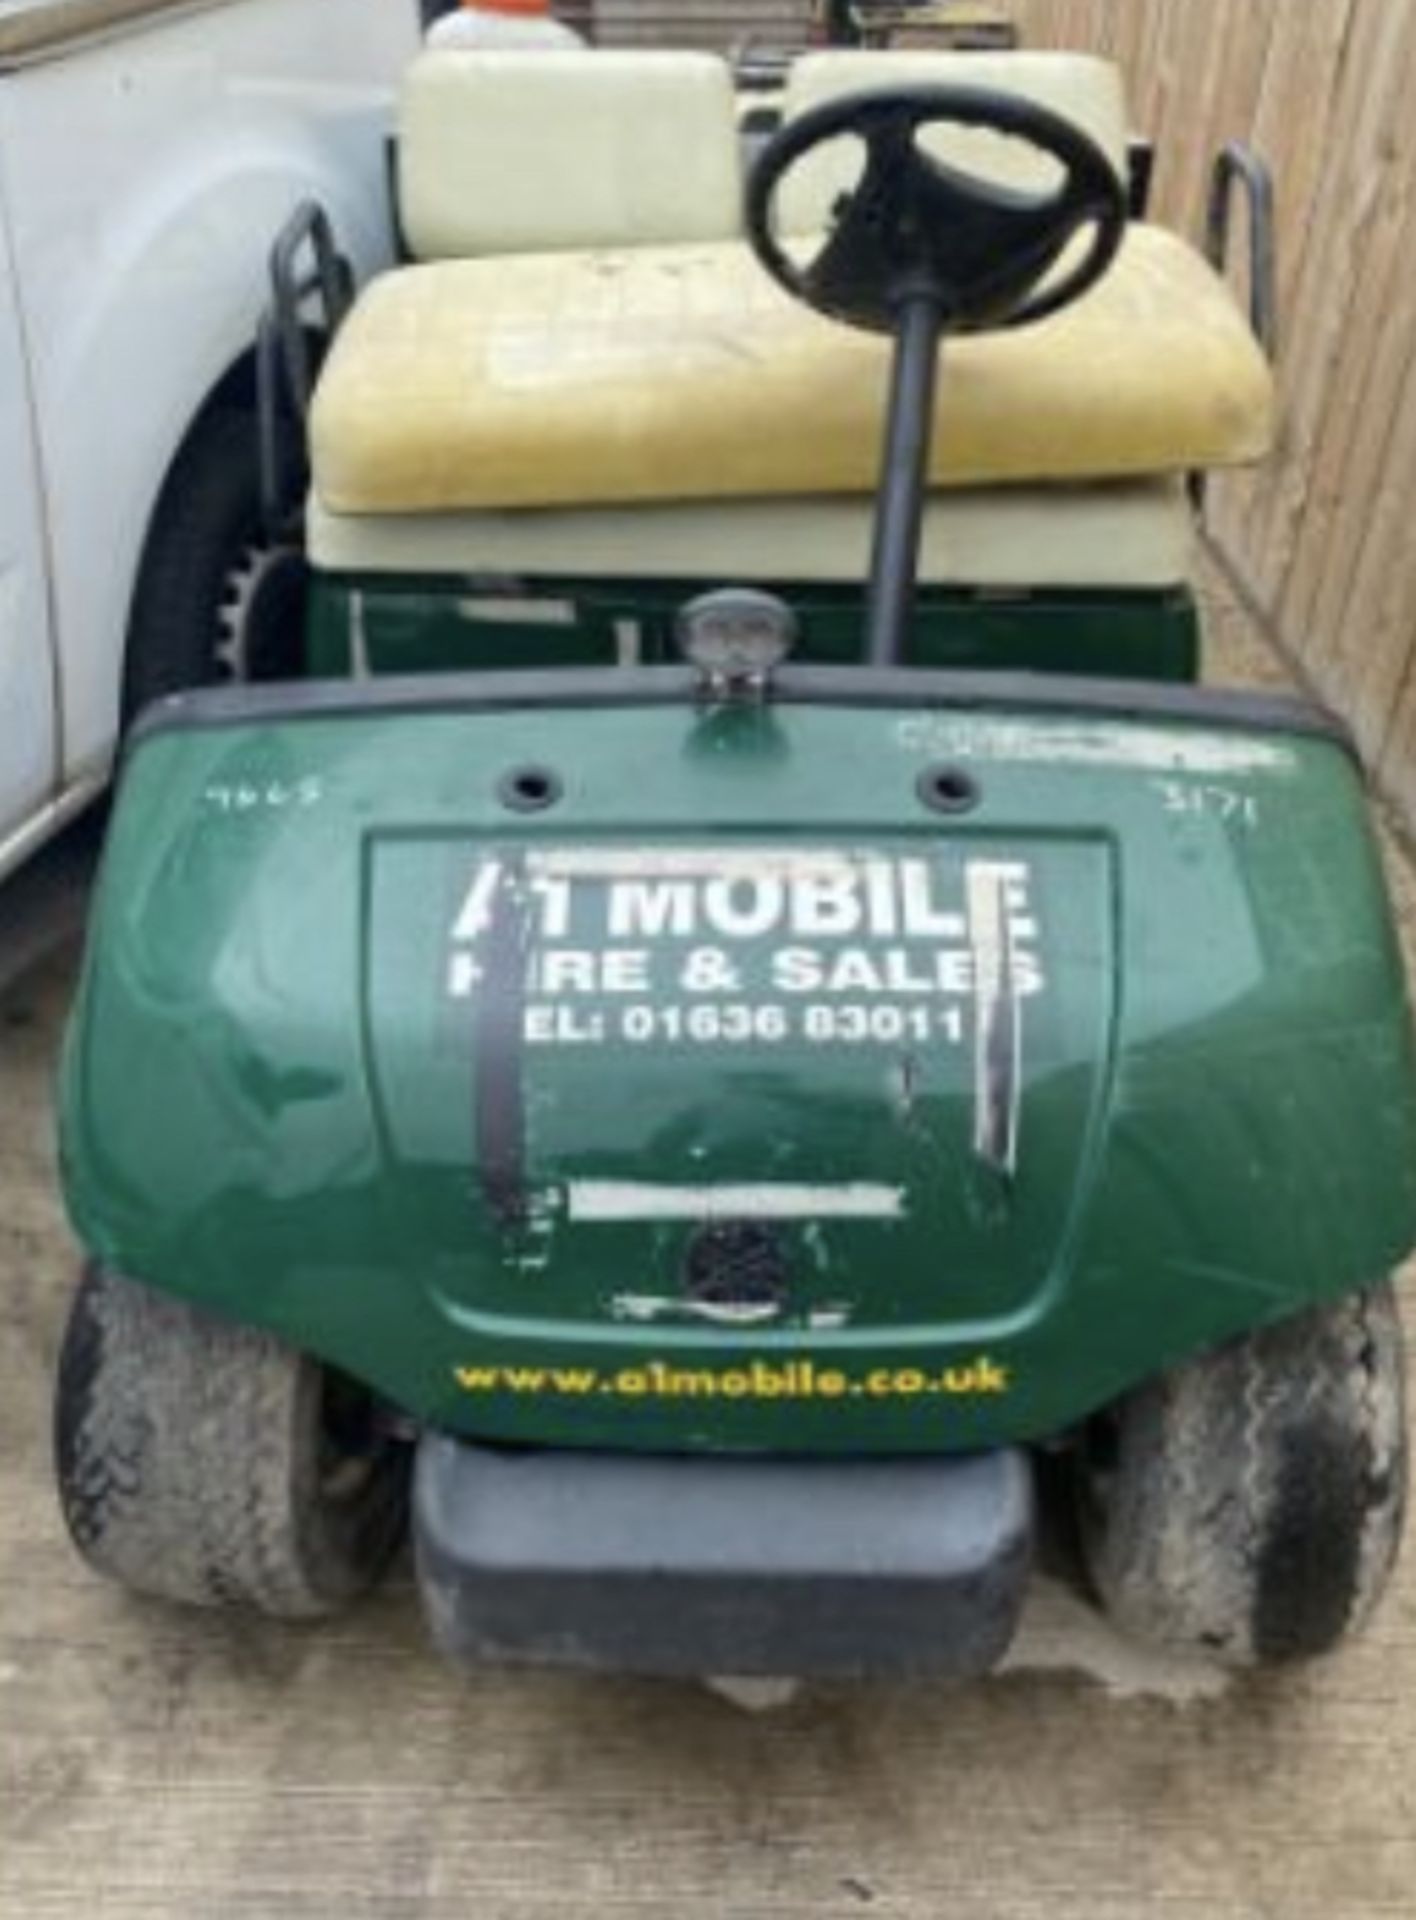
(166, 1765)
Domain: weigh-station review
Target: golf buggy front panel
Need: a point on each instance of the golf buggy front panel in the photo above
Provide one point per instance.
(911, 1063)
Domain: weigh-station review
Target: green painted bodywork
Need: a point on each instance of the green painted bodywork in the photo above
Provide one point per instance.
(320, 941)
(410, 625)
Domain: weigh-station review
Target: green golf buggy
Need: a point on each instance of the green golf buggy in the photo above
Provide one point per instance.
(749, 1012)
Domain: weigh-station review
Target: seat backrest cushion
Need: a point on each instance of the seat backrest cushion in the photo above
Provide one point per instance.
(1085, 90)
(540, 152)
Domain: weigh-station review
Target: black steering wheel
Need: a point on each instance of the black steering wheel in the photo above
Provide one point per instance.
(918, 229)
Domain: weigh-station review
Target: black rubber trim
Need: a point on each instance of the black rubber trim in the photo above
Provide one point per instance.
(701, 1565)
(600, 687)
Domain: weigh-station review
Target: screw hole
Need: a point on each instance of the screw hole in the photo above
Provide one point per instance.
(948, 790)
(530, 789)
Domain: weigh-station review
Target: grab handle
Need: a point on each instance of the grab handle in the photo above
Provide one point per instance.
(312, 289)
(1236, 167)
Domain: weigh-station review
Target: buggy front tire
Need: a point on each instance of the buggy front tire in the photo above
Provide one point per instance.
(204, 1462)
(1248, 1506)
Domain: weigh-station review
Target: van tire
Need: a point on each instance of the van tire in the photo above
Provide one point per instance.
(216, 599)
(197, 1460)
(1248, 1506)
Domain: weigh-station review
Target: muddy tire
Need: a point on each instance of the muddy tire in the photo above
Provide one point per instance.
(215, 598)
(205, 1462)
(1249, 1505)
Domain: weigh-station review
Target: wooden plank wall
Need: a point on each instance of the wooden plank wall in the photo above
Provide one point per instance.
(693, 23)
(1326, 539)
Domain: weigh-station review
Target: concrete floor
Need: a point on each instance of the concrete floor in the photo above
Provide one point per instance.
(160, 1765)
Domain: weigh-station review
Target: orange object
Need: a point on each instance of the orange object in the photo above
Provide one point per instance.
(508, 6)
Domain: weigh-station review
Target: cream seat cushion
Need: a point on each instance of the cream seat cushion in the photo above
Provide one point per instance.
(683, 373)
(1080, 88)
(516, 152)
(1130, 534)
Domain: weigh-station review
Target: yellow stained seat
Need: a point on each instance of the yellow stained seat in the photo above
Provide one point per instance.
(594, 402)
(682, 373)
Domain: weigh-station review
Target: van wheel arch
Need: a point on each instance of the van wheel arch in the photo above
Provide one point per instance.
(215, 597)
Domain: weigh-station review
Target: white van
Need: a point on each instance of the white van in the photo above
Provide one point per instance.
(149, 151)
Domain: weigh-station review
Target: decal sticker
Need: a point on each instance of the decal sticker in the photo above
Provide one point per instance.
(998, 1026)
(1129, 747)
(640, 1200)
(983, 1377)
(754, 947)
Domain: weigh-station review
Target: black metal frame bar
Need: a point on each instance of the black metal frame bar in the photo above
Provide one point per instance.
(1140, 175)
(312, 289)
(1238, 166)
(894, 562)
